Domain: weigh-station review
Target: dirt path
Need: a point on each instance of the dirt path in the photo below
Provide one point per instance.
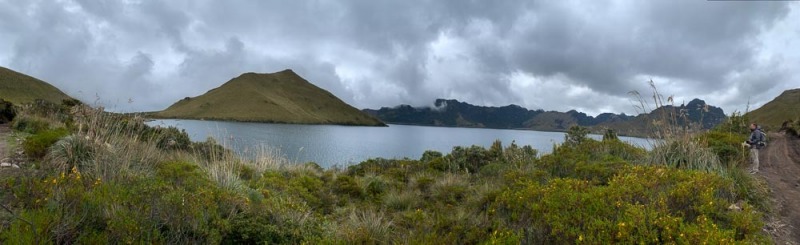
(780, 166)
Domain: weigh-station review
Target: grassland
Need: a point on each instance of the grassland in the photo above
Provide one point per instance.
(19, 88)
(108, 178)
(785, 107)
(282, 97)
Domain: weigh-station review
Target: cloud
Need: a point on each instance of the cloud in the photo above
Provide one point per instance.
(553, 55)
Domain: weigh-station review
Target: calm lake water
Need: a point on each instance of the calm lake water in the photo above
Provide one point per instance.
(330, 145)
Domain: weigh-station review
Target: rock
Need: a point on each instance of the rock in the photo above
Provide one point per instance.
(735, 207)
(5, 164)
(14, 166)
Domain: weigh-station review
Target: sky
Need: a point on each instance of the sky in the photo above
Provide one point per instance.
(143, 55)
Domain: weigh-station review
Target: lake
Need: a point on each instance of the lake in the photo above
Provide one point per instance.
(333, 145)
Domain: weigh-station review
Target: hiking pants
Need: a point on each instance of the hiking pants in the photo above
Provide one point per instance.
(754, 158)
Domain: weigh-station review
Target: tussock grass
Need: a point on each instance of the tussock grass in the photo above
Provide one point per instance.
(676, 144)
(367, 227)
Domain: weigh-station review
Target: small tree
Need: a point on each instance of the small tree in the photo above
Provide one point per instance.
(575, 135)
(610, 135)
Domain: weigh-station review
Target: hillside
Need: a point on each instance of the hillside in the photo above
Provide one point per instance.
(20, 88)
(282, 97)
(453, 113)
(784, 107)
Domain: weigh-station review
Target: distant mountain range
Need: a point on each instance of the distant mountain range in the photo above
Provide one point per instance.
(453, 113)
(19, 88)
(281, 97)
(785, 107)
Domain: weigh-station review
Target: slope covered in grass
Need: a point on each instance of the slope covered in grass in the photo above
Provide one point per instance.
(20, 88)
(783, 108)
(282, 97)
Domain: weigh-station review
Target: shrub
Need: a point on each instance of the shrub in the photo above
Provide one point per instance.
(261, 228)
(727, 146)
(610, 135)
(31, 125)
(7, 111)
(429, 156)
(346, 185)
(36, 145)
(640, 204)
(575, 135)
(469, 159)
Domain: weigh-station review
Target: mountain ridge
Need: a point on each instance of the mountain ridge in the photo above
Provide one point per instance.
(453, 113)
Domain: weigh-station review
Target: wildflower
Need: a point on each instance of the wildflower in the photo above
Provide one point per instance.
(580, 238)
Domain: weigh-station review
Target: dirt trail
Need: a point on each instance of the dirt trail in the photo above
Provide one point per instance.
(780, 166)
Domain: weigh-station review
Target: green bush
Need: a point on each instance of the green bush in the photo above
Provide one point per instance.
(727, 146)
(652, 204)
(36, 145)
(29, 124)
(262, 228)
(575, 135)
(7, 111)
(347, 186)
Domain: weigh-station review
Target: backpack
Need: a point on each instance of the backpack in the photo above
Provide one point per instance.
(763, 142)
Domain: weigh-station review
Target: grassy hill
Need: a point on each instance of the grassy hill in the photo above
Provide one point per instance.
(783, 108)
(20, 88)
(282, 97)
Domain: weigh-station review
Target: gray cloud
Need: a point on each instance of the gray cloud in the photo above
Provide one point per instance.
(554, 55)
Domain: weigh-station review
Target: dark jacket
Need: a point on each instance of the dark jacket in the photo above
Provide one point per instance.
(756, 139)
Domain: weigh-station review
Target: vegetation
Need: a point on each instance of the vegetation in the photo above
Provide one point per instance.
(282, 97)
(7, 111)
(114, 179)
(781, 109)
(20, 89)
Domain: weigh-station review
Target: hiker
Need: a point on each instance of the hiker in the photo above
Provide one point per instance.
(755, 142)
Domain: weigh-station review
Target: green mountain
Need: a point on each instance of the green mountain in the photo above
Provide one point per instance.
(783, 108)
(19, 88)
(282, 97)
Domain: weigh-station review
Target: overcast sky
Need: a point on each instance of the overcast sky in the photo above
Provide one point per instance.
(553, 55)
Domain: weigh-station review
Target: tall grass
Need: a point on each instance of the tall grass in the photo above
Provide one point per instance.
(106, 146)
(675, 143)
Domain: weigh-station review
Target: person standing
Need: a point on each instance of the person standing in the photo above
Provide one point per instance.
(755, 142)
